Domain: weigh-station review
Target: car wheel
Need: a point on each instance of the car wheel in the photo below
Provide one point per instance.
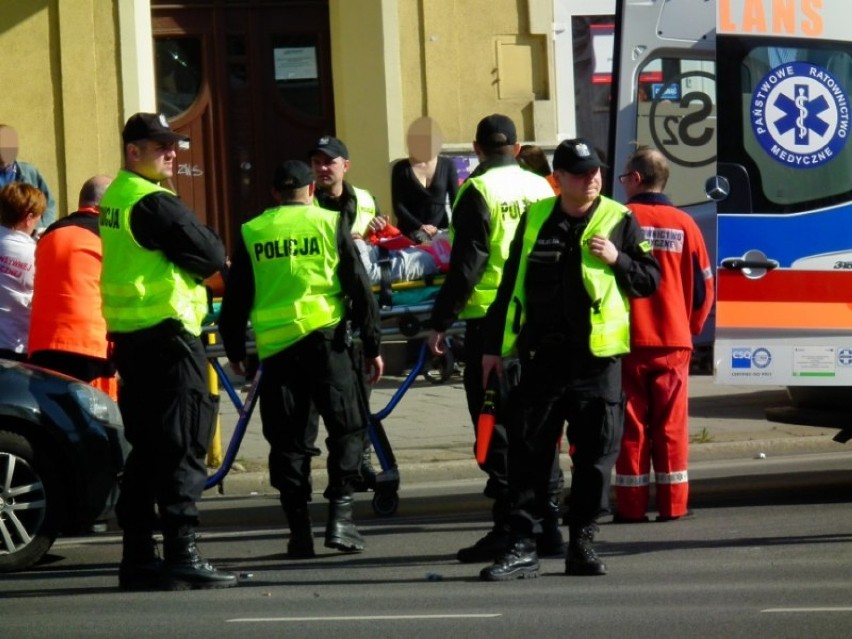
(29, 503)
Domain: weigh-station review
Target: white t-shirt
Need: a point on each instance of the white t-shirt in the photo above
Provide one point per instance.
(17, 273)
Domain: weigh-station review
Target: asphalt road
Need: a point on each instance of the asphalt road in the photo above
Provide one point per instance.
(743, 566)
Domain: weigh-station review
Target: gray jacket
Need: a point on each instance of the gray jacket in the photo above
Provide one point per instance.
(28, 174)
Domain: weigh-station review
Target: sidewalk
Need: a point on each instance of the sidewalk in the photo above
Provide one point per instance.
(431, 434)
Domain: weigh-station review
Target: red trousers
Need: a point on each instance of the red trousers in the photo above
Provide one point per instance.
(656, 431)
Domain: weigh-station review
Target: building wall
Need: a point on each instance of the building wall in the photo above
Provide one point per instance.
(62, 98)
(464, 59)
(393, 61)
(365, 47)
(454, 60)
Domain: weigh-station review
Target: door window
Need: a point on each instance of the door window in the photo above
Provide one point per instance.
(296, 72)
(179, 74)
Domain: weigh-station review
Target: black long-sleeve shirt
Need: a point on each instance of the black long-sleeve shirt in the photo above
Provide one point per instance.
(161, 222)
(557, 304)
(240, 290)
(414, 204)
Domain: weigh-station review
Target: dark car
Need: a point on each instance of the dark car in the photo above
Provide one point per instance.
(62, 448)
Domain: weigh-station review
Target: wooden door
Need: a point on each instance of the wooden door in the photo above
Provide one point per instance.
(250, 82)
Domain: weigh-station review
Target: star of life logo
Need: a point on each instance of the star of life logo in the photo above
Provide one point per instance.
(800, 115)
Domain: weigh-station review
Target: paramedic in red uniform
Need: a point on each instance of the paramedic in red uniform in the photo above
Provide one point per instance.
(656, 372)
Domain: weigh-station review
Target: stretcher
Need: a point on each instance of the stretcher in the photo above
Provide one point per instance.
(405, 308)
(385, 484)
(404, 316)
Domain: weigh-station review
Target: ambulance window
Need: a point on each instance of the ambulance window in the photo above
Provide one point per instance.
(676, 113)
(795, 123)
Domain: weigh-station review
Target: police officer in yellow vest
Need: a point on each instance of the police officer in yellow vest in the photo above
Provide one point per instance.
(155, 255)
(293, 275)
(485, 214)
(330, 162)
(563, 306)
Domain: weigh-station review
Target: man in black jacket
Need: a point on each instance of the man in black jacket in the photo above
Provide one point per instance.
(294, 273)
(563, 307)
(358, 207)
(155, 255)
(487, 210)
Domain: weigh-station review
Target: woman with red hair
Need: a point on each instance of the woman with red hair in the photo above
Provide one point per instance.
(21, 208)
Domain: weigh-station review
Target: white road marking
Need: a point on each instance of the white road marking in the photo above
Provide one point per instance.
(365, 618)
(782, 610)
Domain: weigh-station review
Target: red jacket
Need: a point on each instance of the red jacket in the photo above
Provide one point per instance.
(679, 308)
(66, 307)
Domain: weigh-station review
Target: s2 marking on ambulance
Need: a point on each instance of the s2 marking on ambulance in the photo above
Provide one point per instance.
(779, 187)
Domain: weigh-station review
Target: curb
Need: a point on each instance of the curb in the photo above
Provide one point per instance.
(256, 482)
(736, 475)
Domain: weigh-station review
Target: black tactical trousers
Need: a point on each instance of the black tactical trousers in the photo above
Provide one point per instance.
(317, 371)
(496, 463)
(168, 416)
(558, 387)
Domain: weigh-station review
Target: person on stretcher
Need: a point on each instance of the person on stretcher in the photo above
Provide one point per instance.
(405, 261)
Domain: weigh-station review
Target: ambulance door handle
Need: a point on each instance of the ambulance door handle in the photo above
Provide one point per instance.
(739, 263)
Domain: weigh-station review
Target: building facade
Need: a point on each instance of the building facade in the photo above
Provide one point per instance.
(253, 82)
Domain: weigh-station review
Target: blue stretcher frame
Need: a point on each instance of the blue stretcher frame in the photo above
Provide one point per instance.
(386, 484)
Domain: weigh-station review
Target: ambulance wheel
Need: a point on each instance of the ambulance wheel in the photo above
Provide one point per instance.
(385, 503)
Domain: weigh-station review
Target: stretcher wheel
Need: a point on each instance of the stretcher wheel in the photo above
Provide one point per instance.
(441, 369)
(409, 325)
(385, 502)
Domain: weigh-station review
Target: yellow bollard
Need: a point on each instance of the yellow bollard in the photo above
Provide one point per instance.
(214, 452)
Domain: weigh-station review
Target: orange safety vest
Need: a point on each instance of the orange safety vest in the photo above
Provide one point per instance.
(66, 306)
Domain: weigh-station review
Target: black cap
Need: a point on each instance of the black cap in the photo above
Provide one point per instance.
(495, 131)
(292, 174)
(576, 156)
(150, 126)
(331, 146)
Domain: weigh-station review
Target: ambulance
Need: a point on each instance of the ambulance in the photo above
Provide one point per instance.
(753, 113)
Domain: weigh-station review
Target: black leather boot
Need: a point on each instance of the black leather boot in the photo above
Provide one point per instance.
(488, 548)
(495, 542)
(340, 530)
(301, 542)
(141, 567)
(184, 568)
(550, 542)
(367, 474)
(519, 561)
(581, 558)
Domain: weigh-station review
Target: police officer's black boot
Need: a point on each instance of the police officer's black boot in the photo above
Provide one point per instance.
(367, 479)
(487, 548)
(494, 543)
(550, 542)
(141, 567)
(580, 558)
(301, 542)
(518, 561)
(340, 530)
(185, 569)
